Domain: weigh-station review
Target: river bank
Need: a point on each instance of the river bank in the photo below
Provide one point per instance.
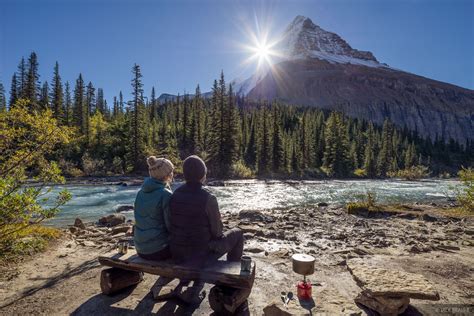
(424, 239)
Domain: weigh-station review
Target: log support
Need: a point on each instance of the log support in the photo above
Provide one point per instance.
(113, 280)
(226, 300)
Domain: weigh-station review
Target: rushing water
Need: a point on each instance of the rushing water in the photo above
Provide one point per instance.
(89, 202)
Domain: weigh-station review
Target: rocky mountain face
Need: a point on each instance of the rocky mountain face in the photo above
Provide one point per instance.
(322, 70)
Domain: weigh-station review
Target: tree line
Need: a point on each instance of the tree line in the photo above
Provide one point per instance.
(236, 136)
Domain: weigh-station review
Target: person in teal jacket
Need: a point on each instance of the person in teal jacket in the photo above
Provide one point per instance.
(151, 233)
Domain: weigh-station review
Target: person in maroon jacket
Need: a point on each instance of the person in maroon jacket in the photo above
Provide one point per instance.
(196, 232)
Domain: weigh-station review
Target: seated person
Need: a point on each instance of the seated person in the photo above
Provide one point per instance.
(151, 233)
(196, 225)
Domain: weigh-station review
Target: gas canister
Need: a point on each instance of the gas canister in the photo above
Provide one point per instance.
(304, 290)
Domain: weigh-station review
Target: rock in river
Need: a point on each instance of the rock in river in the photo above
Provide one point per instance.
(78, 223)
(124, 208)
(112, 220)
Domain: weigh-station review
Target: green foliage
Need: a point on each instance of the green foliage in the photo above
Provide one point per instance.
(26, 141)
(465, 194)
(368, 204)
(241, 171)
(226, 130)
(411, 173)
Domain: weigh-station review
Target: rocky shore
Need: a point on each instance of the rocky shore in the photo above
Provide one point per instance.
(421, 240)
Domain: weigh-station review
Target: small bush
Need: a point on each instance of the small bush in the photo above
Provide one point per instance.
(240, 170)
(412, 173)
(465, 193)
(365, 206)
(360, 173)
(26, 241)
(92, 167)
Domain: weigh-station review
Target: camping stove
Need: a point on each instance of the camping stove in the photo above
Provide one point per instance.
(304, 265)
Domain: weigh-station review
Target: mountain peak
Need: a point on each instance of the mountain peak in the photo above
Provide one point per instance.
(303, 39)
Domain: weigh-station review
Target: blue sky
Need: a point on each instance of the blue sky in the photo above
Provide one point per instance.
(182, 43)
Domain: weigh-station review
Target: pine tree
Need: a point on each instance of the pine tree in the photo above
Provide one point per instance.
(370, 165)
(410, 156)
(32, 82)
(278, 146)
(264, 150)
(215, 133)
(67, 105)
(121, 107)
(44, 97)
(336, 155)
(22, 78)
(79, 105)
(250, 155)
(386, 154)
(137, 136)
(13, 91)
(3, 101)
(100, 101)
(57, 94)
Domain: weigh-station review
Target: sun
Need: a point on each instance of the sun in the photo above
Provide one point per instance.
(262, 51)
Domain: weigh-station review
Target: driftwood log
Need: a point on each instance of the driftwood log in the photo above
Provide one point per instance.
(114, 279)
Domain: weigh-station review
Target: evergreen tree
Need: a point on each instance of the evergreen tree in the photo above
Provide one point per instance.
(370, 165)
(79, 105)
(13, 91)
(22, 78)
(100, 101)
(336, 160)
(3, 101)
(44, 97)
(386, 154)
(278, 146)
(32, 82)
(264, 149)
(67, 105)
(137, 136)
(57, 94)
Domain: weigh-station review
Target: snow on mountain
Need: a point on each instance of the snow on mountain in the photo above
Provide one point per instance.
(303, 39)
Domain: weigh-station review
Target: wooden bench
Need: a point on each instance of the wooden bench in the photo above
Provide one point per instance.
(232, 285)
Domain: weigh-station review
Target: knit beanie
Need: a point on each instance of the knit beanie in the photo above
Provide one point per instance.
(159, 168)
(194, 169)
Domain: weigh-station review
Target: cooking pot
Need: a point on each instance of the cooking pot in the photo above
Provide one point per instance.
(303, 264)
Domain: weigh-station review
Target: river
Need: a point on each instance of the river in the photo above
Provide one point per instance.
(89, 202)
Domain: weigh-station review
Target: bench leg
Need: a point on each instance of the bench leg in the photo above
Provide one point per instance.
(226, 300)
(113, 280)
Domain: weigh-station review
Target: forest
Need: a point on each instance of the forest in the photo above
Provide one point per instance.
(237, 137)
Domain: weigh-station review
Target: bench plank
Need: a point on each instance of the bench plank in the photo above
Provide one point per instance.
(220, 272)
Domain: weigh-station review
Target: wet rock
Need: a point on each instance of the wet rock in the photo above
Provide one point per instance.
(124, 208)
(255, 216)
(79, 224)
(378, 281)
(389, 306)
(112, 220)
(321, 204)
(73, 229)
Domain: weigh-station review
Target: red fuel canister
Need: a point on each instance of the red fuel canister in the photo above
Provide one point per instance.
(304, 290)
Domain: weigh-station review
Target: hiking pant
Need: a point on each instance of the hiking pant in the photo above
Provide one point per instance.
(231, 243)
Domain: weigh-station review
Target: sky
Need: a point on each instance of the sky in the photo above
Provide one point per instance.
(180, 44)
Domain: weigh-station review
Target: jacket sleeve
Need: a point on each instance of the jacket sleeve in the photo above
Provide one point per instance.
(165, 204)
(212, 209)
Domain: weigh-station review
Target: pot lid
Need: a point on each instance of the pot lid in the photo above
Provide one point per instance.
(301, 257)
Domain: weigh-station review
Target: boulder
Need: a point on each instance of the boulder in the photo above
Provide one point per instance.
(79, 224)
(112, 220)
(376, 282)
(124, 208)
(387, 306)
